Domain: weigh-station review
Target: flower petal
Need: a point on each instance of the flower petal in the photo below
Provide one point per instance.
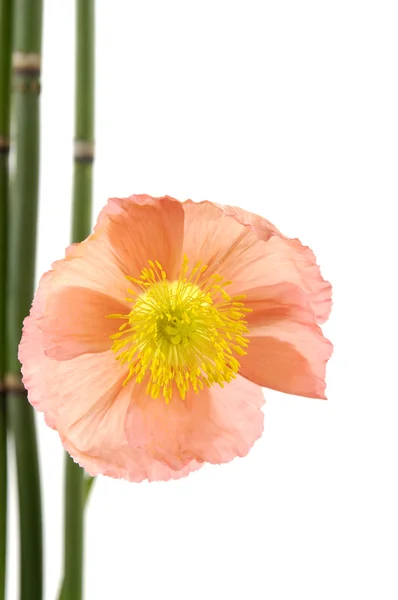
(116, 206)
(122, 246)
(141, 228)
(273, 303)
(93, 432)
(88, 410)
(287, 350)
(261, 227)
(31, 354)
(39, 371)
(232, 424)
(90, 264)
(318, 290)
(127, 463)
(75, 322)
(211, 237)
(281, 261)
(251, 252)
(307, 275)
(215, 425)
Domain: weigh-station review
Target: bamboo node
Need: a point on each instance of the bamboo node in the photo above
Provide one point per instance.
(24, 63)
(83, 151)
(13, 383)
(4, 145)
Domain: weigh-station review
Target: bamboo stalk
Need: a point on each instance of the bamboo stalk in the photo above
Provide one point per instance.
(20, 283)
(5, 79)
(87, 487)
(81, 227)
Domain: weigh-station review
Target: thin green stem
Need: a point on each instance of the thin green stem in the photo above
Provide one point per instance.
(5, 65)
(5, 78)
(22, 418)
(21, 253)
(85, 50)
(81, 226)
(20, 290)
(82, 189)
(73, 580)
(87, 487)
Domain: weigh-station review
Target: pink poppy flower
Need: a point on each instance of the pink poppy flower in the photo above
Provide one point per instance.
(146, 346)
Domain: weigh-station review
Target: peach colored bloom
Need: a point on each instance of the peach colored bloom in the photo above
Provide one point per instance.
(146, 346)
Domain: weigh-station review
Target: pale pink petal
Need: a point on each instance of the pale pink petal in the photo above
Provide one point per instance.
(84, 392)
(239, 253)
(280, 261)
(215, 425)
(91, 264)
(232, 425)
(129, 464)
(91, 424)
(41, 375)
(157, 428)
(287, 350)
(141, 228)
(261, 227)
(268, 304)
(319, 291)
(157, 471)
(122, 246)
(304, 270)
(85, 401)
(87, 395)
(212, 237)
(116, 206)
(31, 354)
(74, 321)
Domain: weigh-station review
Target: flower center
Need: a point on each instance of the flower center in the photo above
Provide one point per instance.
(183, 334)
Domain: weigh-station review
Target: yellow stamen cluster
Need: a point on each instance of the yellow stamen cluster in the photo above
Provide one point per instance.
(181, 333)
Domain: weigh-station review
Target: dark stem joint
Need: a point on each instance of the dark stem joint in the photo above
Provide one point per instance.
(12, 383)
(83, 152)
(26, 72)
(26, 68)
(4, 145)
(84, 160)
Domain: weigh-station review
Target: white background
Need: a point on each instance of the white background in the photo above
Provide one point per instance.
(289, 109)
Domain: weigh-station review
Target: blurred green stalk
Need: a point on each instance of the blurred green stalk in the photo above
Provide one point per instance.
(87, 487)
(20, 283)
(75, 482)
(5, 80)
